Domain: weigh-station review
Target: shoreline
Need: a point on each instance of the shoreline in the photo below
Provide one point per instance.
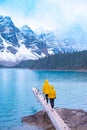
(78, 70)
(81, 70)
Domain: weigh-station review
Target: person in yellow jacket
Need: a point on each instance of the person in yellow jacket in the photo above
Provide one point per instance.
(52, 96)
(46, 89)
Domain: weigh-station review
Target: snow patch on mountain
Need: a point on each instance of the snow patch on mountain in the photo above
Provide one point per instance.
(9, 59)
(25, 54)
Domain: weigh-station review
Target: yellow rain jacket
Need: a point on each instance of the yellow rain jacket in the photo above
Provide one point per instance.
(52, 93)
(46, 87)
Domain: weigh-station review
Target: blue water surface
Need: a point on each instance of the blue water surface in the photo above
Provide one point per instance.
(17, 99)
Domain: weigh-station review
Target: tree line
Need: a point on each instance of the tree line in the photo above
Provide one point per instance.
(60, 61)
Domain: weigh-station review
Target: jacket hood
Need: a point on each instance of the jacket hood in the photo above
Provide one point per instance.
(46, 81)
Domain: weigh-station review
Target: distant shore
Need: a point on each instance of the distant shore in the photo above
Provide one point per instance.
(80, 70)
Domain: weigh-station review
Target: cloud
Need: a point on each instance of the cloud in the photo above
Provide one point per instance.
(19, 10)
(47, 14)
(60, 14)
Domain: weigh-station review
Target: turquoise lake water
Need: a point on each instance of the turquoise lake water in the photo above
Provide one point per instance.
(17, 99)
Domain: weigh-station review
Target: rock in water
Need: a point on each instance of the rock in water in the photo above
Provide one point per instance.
(76, 119)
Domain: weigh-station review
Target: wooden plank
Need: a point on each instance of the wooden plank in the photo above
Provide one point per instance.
(53, 115)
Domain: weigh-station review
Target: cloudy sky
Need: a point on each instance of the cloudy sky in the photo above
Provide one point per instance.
(45, 14)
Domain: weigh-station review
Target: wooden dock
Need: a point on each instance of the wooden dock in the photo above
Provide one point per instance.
(53, 115)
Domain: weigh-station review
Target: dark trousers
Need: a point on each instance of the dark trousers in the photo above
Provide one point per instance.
(52, 102)
(46, 96)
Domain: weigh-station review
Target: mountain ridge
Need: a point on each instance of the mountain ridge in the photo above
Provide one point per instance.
(19, 44)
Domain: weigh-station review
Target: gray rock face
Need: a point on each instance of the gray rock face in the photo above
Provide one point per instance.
(76, 119)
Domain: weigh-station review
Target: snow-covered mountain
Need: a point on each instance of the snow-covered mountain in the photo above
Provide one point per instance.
(18, 44)
(21, 44)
